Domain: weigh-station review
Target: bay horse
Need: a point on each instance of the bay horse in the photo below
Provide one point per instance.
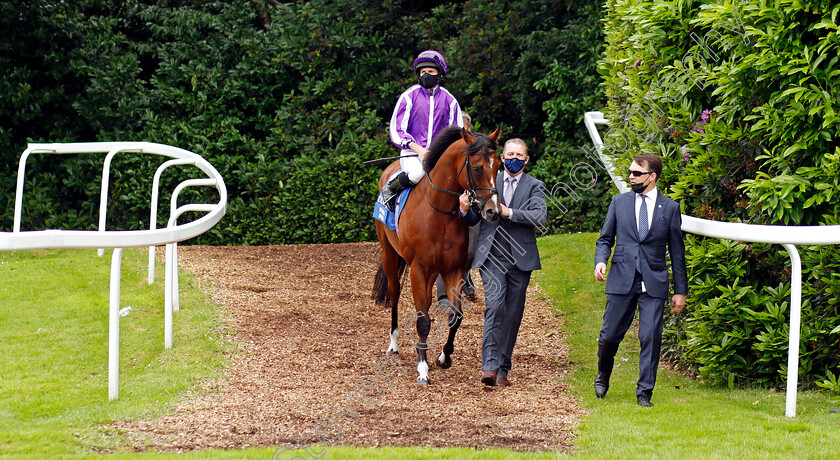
(432, 238)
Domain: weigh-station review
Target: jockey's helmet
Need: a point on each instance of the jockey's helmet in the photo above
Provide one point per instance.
(430, 58)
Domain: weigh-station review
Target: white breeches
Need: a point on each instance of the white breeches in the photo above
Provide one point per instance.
(412, 166)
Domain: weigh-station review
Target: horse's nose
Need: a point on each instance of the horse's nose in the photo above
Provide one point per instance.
(490, 214)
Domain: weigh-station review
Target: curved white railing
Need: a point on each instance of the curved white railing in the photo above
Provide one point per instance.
(775, 234)
(103, 238)
(153, 216)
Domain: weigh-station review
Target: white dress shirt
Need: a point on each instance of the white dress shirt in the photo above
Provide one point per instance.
(517, 178)
(650, 203)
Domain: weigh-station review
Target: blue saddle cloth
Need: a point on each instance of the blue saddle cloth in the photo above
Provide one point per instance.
(385, 215)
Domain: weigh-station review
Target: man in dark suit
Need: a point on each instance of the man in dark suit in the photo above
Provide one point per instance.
(506, 255)
(640, 224)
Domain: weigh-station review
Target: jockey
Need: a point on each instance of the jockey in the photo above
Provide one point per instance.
(422, 111)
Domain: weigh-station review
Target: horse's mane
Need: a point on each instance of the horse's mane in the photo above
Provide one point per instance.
(449, 136)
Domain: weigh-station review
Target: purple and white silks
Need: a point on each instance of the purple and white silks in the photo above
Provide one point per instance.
(418, 117)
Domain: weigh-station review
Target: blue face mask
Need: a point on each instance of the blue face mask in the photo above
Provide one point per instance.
(514, 165)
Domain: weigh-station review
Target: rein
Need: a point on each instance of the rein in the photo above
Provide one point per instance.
(472, 188)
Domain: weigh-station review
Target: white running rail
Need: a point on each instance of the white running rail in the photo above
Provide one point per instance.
(102, 238)
(788, 236)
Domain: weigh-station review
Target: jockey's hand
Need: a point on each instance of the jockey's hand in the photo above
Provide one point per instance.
(421, 151)
(464, 201)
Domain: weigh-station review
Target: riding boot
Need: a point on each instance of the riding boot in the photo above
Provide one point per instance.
(606, 358)
(393, 187)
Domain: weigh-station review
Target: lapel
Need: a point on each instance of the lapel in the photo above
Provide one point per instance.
(657, 211)
(629, 210)
(500, 187)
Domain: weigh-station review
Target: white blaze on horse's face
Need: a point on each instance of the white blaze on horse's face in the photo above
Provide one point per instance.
(495, 200)
(493, 185)
(491, 209)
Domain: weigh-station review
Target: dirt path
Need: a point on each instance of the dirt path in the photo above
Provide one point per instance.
(309, 338)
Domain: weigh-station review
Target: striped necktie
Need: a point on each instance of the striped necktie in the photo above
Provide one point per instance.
(643, 229)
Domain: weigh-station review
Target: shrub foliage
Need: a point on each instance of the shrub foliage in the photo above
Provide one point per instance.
(740, 99)
(285, 100)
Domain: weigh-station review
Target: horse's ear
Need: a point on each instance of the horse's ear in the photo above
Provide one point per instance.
(495, 134)
(468, 138)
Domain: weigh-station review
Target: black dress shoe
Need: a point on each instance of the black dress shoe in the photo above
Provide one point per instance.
(602, 384)
(468, 289)
(644, 401)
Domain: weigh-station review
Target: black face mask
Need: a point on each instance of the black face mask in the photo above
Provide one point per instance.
(638, 187)
(429, 81)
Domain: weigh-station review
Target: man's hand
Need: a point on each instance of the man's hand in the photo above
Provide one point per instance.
(464, 201)
(505, 210)
(600, 272)
(677, 303)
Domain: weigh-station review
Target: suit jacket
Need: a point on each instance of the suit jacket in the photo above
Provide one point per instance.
(529, 212)
(620, 229)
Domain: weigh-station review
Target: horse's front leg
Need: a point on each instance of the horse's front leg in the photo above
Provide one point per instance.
(421, 287)
(452, 310)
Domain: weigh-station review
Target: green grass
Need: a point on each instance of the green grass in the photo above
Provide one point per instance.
(690, 419)
(343, 453)
(53, 381)
(54, 340)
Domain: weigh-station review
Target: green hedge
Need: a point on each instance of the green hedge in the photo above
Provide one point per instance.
(285, 110)
(740, 99)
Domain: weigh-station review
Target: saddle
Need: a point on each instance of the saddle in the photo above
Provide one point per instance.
(390, 218)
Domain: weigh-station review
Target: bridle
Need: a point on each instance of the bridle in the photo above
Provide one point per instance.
(472, 187)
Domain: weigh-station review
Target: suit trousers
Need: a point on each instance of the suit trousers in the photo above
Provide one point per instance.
(618, 317)
(504, 295)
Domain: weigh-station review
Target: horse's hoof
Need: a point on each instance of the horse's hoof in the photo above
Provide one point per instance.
(392, 352)
(443, 361)
(423, 381)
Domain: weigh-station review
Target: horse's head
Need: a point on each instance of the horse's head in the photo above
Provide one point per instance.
(480, 169)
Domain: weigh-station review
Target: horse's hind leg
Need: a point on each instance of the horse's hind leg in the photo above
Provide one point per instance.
(452, 309)
(393, 265)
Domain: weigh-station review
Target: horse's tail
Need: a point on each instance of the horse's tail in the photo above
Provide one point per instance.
(380, 293)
